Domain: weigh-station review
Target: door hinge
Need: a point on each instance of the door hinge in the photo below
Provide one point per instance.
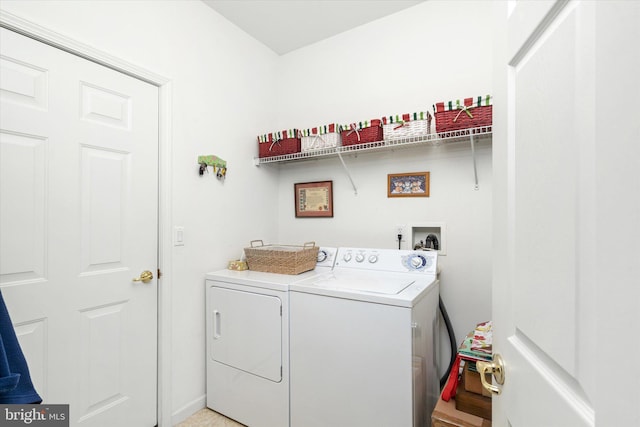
(159, 275)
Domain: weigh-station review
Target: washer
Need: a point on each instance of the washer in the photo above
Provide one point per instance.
(247, 335)
(363, 341)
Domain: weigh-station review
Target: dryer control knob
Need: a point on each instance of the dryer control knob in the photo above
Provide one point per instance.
(322, 255)
(360, 257)
(347, 257)
(373, 258)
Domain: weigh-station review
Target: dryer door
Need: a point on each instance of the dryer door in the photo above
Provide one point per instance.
(246, 331)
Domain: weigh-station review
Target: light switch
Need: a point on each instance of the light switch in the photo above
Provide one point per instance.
(178, 236)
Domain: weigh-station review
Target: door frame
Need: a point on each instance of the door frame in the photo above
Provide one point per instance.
(27, 28)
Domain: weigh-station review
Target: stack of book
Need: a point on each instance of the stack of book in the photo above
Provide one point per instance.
(477, 345)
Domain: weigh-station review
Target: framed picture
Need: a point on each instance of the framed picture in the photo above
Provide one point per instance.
(314, 199)
(415, 184)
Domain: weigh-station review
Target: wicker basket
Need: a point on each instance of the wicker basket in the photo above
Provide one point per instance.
(406, 125)
(321, 137)
(362, 132)
(279, 143)
(282, 259)
(471, 113)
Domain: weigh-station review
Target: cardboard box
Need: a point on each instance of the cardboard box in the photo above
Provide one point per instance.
(472, 381)
(445, 414)
(472, 403)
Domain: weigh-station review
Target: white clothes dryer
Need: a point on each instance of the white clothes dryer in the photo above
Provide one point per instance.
(247, 336)
(363, 341)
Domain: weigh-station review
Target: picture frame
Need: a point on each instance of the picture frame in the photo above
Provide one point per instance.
(413, 184)
(314, 199)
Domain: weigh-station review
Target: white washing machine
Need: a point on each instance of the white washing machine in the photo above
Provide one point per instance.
(363, 341)
(247, 334)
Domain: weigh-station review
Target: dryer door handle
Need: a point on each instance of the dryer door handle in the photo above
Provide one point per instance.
(216, 324)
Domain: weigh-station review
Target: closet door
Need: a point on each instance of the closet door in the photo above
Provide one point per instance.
(566, 204)
(78, 222)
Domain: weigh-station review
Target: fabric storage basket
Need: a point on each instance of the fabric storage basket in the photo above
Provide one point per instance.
(279, 143)
(470, 113)
(406, 125)
(282, 259)
(361, 132)
(327, 136)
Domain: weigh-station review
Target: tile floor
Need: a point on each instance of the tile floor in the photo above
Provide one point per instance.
(208, 418)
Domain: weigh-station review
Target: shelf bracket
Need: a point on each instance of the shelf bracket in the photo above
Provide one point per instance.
(473, 155)
(344, 165)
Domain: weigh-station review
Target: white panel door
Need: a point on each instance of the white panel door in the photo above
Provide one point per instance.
(78, 221)
(556, 132)
(246, 331)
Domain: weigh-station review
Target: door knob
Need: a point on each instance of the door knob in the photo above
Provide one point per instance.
(145, 277)
(495, 367)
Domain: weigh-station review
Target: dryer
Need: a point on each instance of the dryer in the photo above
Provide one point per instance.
(247, 335)
(363, 341)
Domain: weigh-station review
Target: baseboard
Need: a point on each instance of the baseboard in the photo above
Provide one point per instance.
(189, 409)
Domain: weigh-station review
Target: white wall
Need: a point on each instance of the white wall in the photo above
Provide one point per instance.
(435, 51)
(222, 80)
(224, 84)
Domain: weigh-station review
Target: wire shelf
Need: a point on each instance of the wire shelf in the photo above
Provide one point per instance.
(433, 139)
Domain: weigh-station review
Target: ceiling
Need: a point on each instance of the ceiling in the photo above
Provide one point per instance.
(286, 25)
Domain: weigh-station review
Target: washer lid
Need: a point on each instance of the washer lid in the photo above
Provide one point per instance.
(348, 280)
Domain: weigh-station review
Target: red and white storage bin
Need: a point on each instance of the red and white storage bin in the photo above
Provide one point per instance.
(327, 136)
(361, 132)
(465, 114)
(408, 125)
(279, 143)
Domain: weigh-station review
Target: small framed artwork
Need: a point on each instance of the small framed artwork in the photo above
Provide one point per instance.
(415, 184)
(314, 199)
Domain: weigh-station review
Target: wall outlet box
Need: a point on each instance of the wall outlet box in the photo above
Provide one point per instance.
(420, 231)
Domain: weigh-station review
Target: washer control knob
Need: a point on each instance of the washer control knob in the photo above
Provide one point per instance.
(373, 258)
(347, 257)
(322, 256)
(360, 257)
(417, 261)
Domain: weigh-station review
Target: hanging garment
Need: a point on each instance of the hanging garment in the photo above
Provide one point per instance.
(15, 382)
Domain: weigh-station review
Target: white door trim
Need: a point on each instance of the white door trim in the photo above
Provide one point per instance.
(52, 38)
